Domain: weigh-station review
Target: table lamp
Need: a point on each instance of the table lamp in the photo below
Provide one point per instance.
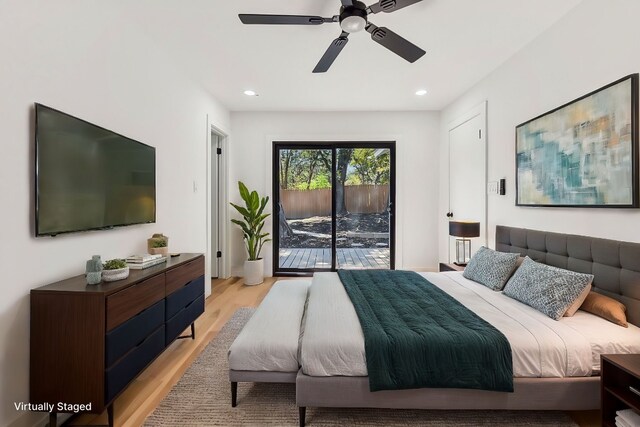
(463, 230)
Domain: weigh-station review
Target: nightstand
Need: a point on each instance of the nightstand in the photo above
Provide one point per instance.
(618, 373)
(451, 267)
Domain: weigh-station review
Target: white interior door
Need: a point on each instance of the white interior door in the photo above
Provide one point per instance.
(467, 177)
(215, 205)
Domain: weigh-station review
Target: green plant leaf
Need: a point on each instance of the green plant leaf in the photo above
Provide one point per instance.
(262, 217)
(245, 229)
(244, 192)
(254, 203)
(263, 204)
(243, 211)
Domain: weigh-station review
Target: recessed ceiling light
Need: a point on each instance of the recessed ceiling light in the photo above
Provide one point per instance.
(250, 93)
(421, 92)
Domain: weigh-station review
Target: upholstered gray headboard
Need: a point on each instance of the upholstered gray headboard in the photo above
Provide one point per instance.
(614, 264)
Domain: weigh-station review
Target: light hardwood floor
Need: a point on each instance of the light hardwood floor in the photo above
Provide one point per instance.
(145, 393)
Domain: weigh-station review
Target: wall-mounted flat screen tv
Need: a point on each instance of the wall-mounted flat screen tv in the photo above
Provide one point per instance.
(90, 178)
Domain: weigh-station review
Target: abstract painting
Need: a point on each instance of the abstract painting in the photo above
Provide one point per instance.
(582, 154)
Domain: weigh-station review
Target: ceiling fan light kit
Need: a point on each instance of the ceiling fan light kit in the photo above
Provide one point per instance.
(353, 18)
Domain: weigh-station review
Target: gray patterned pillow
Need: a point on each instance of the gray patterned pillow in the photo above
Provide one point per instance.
(550, 290)
(491, 268)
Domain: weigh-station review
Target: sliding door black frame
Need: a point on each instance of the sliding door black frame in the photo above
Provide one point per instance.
(333, 146)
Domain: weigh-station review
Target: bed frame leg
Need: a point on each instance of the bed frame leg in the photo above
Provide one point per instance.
(234, 394)
(303, 413)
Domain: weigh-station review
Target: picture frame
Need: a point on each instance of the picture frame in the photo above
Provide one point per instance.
(583, 154)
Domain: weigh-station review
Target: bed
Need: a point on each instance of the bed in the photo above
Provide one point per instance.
(553, 361)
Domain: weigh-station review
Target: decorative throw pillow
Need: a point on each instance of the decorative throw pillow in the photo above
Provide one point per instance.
(550, 290)
(491, 268)
(578, 302)
(518, 264)
(605, 307)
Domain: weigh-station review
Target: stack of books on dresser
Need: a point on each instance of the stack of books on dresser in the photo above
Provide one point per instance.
(138, 262)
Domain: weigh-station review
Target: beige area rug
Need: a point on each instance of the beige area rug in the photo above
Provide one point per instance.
(202, 397)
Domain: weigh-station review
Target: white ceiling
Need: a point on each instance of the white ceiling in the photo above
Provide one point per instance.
(465, 40)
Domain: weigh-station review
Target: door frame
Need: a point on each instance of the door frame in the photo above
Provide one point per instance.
(223, 199)
(275, 194)
(481, 111)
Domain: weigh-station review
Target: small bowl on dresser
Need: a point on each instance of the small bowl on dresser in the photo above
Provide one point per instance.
(113, 275)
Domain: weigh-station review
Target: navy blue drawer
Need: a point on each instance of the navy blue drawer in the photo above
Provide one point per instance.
(184, 296)
(132, 364)
(184, 318)
(132, 332)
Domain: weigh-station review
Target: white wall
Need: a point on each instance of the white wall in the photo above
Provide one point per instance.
(416, 136)
(588, 48)
(82, 58)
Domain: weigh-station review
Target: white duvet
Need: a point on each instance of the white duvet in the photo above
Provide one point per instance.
(333, 343)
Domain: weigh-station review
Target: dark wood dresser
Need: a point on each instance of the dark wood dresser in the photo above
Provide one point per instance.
(88, 342)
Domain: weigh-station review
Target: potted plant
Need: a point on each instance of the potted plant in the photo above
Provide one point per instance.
(158, 244)
(115, 269)
(252, 224)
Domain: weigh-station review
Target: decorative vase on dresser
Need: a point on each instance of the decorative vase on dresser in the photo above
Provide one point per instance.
(93, 270)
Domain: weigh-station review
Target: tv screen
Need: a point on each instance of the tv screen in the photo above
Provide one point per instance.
(89, 178)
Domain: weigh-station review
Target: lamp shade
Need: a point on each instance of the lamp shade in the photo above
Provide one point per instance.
(464, 229)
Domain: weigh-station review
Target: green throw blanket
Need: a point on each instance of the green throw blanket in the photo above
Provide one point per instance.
(418, 336)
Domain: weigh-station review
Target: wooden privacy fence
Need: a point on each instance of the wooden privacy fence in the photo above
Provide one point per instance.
(359, 199)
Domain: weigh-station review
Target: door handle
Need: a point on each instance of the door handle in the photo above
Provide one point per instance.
(449, 214)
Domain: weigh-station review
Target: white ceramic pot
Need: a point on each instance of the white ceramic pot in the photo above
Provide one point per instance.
(254, 272)
(113, 275)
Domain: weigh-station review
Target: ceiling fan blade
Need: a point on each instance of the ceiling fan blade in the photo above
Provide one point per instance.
(389, 6)
(332, 53)
(396, 44)
(346, 3)
(253, 19)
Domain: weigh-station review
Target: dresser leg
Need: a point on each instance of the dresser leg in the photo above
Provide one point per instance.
(193, 333)
(53, 419)
(110, 414)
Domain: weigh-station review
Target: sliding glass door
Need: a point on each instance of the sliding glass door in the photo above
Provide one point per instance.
(363, 208)
(333, 206)
(302, 205)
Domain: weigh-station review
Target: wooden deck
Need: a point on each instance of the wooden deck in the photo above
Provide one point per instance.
(350, 258)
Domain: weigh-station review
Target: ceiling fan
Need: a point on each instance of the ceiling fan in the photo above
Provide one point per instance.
(353, 18)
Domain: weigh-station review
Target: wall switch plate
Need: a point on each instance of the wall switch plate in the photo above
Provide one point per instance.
(492, 187)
